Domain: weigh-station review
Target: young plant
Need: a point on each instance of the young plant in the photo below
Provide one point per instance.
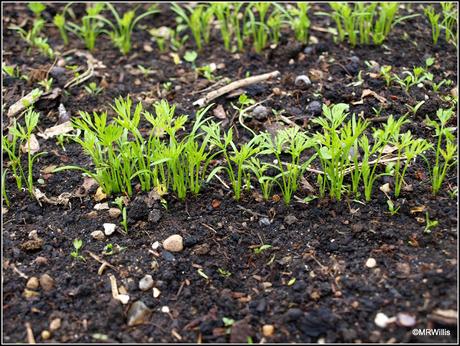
(445, 158)
(120, 204)
(235, 157)
(337, 149)
(258, 29)
(91, 25)
(198, 21)
(93, 89)
(124, 25)
(289, 142)
(391, 207)
(59, 21)
(223, 13)
(385, 73)
(430, 224)
(4, 194)
(262, 248)
(32, 37)
(77, 245)
(259, 168)
(11, 71)
(297, 18)
(46, 84)
(408, 148)
(190, 56)
(25, 135)
(414, 77)
(434, 19)
(381, 137)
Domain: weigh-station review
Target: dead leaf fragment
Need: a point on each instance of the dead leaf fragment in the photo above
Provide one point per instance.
(219, 112)
(25, 102)
(99, 195)
(418, 209)
(33, 145)
(369, 92)
(57, 130)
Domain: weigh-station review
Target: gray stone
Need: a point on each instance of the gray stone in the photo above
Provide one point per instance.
(154, 215)
(302, 81)
(146, 283)
(260, 112)
(138, 313)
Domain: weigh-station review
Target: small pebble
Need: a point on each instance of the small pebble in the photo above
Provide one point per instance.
(46, 282)
(302, 81)
(314, 108)
(405, 320)
(114, 212)
(290, 219)
(165, 309)
(156, 245)
(146, 283)
(109, 228)
(101, 206)
(268, 330)
(32, 283)
(138, 313)
(156, 292)
(45, 334)
(174, 243)
(381, 320)
(260, 112)
(98, 235)
(264, 221)
(371, 262)
(55, 324)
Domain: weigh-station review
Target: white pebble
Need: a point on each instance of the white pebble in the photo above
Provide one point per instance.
(109, 228)
(371, 263)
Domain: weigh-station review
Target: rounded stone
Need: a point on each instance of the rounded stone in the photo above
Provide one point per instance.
(98, 235)
(174, 243)
(146, 283)
(32, 283)
(268, 330)
(314, 108)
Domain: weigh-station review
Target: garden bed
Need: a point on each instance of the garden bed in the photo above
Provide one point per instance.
(332, 267)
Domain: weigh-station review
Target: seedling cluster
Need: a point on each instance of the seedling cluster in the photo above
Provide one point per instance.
(349, 156)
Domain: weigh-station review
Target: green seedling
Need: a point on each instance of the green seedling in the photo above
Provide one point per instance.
(385, 72)
(408, 148)
(46, 84)
(124, 25)
(259, 168)
(414, 77)
(146, 71)
(108, 249)
(190, 56)
(434, 19)
(77, 245)
(446, 148)
(337, 148)
(236, 158)
(60, 22)
(119, 202)
(262, 248)
(291, 281)
(24, 135)
(11, 71)
(430, 224)
(224, 273)
(258, 28)
(391, 207)
(32, 37)
(91, 25)
(4, 194)
(381, 138)
(93, 89)
(414, 109)
(198, 20)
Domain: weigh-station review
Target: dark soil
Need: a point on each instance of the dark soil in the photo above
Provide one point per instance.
(323, 245)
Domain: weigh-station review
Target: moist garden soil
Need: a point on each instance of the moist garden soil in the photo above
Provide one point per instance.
(324, 245)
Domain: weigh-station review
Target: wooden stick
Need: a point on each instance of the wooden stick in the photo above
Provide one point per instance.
(234, 85)
(30, 334)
